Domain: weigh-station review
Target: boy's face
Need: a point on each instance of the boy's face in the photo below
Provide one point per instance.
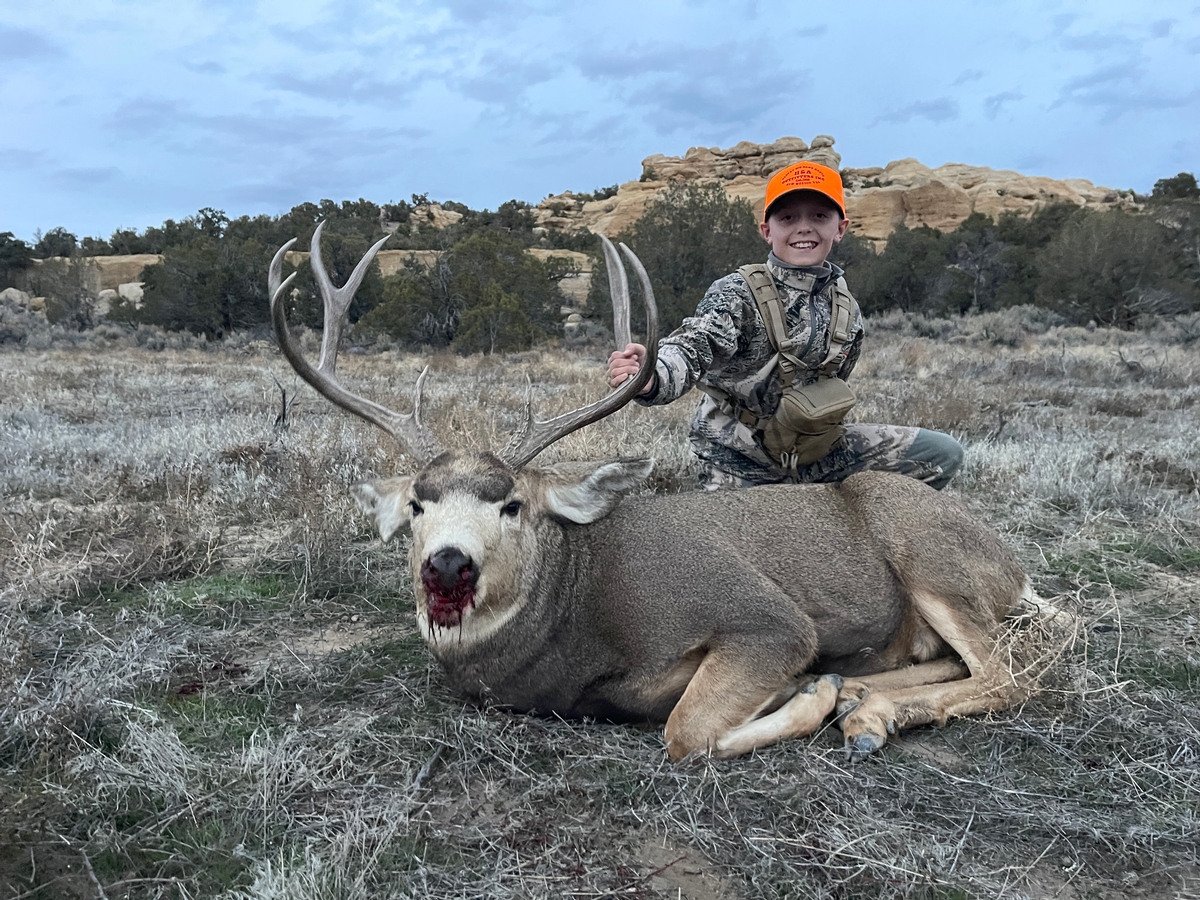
(803, 227)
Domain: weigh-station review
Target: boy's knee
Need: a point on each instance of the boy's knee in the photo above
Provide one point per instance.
(713, 479)
(940, 454)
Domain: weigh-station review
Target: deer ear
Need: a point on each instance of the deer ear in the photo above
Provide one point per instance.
(386, 502)
(598, 494)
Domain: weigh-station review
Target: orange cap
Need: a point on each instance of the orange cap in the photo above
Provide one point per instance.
(805, 176)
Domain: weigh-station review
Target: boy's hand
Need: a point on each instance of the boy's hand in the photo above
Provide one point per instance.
(624, 364)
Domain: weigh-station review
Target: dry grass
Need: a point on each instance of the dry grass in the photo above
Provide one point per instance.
(212, 686)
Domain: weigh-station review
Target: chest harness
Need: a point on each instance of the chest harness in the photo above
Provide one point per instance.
(808, 421)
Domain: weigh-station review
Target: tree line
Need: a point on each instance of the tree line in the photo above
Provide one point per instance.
(483, 292)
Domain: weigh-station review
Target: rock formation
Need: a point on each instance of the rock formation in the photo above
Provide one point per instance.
(108, 273)
(878, 199)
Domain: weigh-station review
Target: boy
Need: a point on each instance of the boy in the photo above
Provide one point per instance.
(728, 351)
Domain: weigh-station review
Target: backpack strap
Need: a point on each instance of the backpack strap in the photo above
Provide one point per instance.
(841, 322)
(770, 307)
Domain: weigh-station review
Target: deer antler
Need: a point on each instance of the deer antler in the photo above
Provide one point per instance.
(534, 436)
(408, 429)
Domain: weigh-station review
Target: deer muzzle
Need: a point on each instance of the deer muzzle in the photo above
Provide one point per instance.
(449, 577)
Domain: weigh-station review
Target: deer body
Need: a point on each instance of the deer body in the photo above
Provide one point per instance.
(734, 617)
(613, 605)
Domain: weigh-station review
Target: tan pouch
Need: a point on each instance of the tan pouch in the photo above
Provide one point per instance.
(808, 421)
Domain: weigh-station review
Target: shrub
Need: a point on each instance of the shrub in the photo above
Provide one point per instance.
(485, 293)
(14, 258)
(55, 242)
(1113, 267)
(206, 287)
(690, 236)
(1182, 187)
(498, 321)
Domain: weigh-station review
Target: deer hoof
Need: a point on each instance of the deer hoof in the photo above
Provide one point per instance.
(863, 746)
(867, 724)
(813, 686)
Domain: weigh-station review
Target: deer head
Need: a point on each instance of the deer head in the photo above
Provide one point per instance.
(481, 522)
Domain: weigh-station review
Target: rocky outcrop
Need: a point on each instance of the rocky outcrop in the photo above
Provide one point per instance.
(20, 300)
(908, 193)
(878, 199)
(743, 171)
(107, 273)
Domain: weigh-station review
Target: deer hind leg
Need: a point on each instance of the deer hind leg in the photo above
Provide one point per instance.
(990, 686)
(721, 711)
(936, 671)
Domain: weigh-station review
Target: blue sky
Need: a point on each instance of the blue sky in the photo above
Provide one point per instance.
(123, 114)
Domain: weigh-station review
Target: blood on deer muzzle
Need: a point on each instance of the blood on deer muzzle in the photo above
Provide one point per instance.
(449, 577)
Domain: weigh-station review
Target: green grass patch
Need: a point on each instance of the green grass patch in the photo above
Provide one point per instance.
(1095, 567)
(1179, 557)
(204, 599)
(209, 719)
(1161, 671)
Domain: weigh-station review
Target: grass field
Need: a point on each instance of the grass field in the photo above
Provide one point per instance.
(211, 683)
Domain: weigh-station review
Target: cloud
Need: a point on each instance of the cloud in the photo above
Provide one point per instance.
(1099, 41)
(707, 90)
(967, 75)
(993, 104)
(941, 110)
(569, 128)
(1117, 89)
(501, 80)
(1062, 22)
(22, 43)
(205, 68)
(1105, 75)
(85, 177)
(344, 85)
(21, 159)
(144, 116)
(1034, 162)
(472, 12)
(1161, 28)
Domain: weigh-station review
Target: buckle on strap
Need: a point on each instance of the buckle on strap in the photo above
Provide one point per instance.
(790, 463)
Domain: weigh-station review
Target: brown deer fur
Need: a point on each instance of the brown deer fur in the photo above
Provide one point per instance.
(704, 610)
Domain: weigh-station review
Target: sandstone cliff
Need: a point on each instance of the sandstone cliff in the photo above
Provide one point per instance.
(878, 199)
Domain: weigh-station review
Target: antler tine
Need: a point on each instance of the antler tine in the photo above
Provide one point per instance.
(619, 288)
(533, 436)
(337, 300)
(408, 430)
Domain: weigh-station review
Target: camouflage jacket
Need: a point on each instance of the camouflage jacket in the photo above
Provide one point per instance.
(725, 347)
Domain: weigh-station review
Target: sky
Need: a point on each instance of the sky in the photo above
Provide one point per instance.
(123, 114)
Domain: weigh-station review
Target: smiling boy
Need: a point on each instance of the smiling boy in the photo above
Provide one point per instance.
(727, 351)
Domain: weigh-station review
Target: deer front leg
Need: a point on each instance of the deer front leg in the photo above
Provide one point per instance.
(720, 712)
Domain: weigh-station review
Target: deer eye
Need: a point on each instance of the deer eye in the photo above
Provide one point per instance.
(511, 509)
(415, 508)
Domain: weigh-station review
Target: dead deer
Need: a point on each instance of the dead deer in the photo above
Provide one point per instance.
(736, 618)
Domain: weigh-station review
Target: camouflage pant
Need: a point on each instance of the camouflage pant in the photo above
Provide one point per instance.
(928, 456)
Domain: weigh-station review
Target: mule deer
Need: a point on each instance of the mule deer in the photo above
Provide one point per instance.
(734, 617)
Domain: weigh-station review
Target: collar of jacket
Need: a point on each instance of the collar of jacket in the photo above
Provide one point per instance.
(809, 279)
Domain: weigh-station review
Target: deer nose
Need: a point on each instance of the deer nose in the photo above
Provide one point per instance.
(450, 567)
